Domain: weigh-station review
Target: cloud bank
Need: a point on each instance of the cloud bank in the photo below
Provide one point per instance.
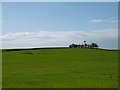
(106, 38)
(110, 20)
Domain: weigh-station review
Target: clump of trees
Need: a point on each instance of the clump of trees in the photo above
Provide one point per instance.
(85, 45)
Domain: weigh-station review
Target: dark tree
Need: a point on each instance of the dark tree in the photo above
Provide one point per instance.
(85, 41)
(94, 45)
(82, 46)
(70, 46)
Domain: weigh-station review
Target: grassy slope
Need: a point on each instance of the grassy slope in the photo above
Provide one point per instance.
(62, 68)
(0, 70)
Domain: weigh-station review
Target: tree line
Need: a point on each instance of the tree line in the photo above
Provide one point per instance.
(85, 45)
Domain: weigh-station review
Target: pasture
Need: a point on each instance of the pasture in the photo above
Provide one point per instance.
(60, 68)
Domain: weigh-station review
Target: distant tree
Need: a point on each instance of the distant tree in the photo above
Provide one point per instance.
(85, 45)
(94, 45)
(82, 46)
(85, 41)
(88, 46)
(79, 46)
(73, 45)
(70, 46)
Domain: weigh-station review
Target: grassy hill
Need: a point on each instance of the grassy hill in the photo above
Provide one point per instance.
(60, 68)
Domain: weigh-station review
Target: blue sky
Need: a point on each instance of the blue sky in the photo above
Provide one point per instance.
(60, 0)
(81, 19)
(57, 16)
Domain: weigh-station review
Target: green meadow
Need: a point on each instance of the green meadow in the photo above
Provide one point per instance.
(60, 68)
(0, 69)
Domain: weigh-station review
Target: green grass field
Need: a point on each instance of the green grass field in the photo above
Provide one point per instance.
(60, 68)
(0, 69)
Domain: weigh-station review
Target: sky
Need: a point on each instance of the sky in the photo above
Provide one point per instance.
(60, 0)
(50, 24)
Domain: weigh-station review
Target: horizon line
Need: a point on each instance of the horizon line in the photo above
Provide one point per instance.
(57, 47)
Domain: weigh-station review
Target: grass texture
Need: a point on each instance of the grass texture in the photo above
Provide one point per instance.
(60, 68)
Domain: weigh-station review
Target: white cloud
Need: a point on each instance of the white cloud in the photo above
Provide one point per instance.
(96, 21)
(105, 38)
(115, 21)
(111, 20)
